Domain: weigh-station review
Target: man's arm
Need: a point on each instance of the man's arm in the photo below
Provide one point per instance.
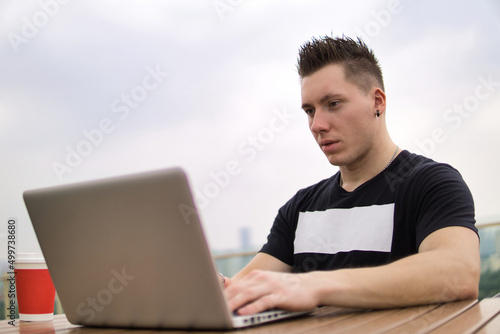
(261, 261)
(446, 268)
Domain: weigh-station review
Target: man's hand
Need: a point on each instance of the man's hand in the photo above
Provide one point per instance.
(263, 290)
(445, 269)
(224, 280)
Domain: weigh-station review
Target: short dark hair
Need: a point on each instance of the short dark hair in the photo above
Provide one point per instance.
(361, 67)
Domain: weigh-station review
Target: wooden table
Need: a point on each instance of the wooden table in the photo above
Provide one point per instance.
(458, 317)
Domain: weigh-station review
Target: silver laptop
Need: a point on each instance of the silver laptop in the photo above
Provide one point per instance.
(130, 252)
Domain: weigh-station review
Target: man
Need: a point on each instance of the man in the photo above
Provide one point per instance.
(390, 229)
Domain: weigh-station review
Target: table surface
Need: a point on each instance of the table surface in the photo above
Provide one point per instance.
(458, 317)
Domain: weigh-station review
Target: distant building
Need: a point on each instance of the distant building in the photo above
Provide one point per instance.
(245, 243)
(230, 262)
(490, 248)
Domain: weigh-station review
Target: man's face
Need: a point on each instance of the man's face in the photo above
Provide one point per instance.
(341, 116)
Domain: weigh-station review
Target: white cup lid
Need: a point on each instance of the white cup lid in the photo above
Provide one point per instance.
(29, 258)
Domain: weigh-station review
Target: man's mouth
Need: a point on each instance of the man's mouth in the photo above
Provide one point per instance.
(327, 142)
(328, 145)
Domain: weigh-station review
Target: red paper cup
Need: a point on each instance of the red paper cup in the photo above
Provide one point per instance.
(35, 290)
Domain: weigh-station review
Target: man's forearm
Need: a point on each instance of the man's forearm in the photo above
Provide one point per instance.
(430, 277)
(446, 268)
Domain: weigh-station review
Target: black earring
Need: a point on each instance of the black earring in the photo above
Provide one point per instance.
(378, 113)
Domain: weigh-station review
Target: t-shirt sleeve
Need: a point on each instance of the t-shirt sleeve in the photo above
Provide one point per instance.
(442, 199)
(280, 239)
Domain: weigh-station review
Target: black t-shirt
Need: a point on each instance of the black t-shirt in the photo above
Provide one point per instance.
(324, 227)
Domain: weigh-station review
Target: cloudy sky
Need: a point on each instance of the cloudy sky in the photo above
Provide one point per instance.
(96, 89)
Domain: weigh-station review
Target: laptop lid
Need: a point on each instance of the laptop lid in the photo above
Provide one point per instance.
(129, 251)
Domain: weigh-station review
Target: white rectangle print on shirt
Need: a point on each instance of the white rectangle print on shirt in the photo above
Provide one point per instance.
(368, 228)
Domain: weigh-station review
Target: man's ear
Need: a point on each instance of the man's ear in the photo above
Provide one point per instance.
(379, 99)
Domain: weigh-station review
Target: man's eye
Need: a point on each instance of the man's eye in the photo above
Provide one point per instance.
(309, 111)
(333, 104)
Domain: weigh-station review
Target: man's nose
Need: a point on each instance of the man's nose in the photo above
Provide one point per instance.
(319, 121)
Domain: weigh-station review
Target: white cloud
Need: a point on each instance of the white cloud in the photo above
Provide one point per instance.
(225, 79)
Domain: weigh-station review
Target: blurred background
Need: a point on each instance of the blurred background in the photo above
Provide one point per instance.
(96, 89)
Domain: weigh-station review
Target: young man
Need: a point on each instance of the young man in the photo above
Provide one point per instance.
(390, 229)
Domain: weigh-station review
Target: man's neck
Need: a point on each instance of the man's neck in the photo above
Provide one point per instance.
(366, 168)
